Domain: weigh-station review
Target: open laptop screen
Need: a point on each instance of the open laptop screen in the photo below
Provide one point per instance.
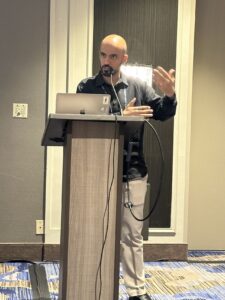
(80, 103)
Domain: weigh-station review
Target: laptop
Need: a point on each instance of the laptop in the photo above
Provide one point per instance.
(80, 103)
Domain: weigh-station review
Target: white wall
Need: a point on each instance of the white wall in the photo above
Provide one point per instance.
(206, 222)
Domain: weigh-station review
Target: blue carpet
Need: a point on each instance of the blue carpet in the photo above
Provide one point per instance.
(164, 280)
(15, 281)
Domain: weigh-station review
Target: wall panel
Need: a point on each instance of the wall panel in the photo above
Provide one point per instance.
(24, 31)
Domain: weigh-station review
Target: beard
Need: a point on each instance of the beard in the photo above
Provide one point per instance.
(107, 70)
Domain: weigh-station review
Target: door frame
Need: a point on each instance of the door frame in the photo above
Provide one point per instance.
(71, 42)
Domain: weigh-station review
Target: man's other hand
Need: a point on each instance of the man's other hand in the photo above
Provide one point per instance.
(165, 81)
(132, 110)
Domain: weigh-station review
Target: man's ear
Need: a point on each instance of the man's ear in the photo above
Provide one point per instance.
(125, 58)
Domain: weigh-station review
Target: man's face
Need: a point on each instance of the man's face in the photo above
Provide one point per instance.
(112, 56)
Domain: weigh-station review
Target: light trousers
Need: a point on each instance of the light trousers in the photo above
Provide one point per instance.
(131, 254)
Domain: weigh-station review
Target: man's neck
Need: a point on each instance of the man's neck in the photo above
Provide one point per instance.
(115, 79)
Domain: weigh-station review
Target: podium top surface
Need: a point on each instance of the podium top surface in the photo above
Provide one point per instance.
(55, 127)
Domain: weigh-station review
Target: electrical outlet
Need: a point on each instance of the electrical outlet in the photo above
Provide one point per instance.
(39, 226)
(20, 110)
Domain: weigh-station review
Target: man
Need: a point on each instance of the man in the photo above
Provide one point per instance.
(132, 97)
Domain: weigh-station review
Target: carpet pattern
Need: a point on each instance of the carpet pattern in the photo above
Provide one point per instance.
(181, 280)
(15, 281)
(201, 278)
(206, 256)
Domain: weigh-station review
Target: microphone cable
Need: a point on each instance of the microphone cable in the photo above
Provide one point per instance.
(114, 90)
(129, 204)
(106, 212)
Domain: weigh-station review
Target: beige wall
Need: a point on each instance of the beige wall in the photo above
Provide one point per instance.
(206, 221)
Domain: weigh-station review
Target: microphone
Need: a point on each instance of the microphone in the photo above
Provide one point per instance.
(107, 70)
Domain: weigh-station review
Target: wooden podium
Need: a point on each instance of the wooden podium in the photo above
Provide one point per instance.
(91, 202)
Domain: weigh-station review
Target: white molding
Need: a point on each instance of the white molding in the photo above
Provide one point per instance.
(57, 83)
(71, 42)
(161, 232)
(182, 128)
(80, 41)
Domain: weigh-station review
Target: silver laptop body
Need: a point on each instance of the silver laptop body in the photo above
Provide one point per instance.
(80, 103)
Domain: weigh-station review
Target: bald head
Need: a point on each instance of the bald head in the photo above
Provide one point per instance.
(115, 41)
(113, 53)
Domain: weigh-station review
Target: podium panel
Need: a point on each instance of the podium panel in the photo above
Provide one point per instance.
(91, 201)
(92, 182)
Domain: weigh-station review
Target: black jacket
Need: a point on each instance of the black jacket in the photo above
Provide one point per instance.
(127, 88)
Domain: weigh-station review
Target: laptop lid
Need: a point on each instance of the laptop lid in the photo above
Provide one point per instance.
(80, 103)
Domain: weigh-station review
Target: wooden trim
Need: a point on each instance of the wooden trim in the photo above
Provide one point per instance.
(30, 252)
(51, 252)
(155, 252)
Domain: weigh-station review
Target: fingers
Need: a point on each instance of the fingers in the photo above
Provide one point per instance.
(145, 111)
(172, 73)
(160, 73)
(131, 103)
(164, 80)
(139, 108)
(132, 110)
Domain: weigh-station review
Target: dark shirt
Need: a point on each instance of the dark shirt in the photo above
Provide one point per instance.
(128, 88)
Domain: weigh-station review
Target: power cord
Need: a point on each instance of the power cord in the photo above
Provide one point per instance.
(129, 204)
(106, 214)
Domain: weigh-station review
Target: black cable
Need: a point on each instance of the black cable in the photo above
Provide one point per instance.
(106, 209)
(115, 93)
(129, 204)
(105, 232)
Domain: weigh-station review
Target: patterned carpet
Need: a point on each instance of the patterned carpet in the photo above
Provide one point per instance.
(201, 278)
